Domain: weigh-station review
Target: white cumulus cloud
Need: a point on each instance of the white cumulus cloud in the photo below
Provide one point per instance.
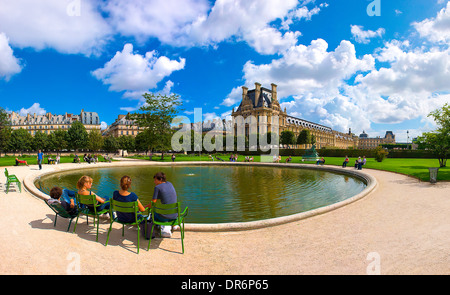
(9, 64)
(70, 27)
(34, 109)
(362, 36)
(145, 19)
(135, 73)
(436, 29)
(306, 68)
(200, 23)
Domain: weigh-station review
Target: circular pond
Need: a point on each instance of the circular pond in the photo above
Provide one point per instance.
(224, 194)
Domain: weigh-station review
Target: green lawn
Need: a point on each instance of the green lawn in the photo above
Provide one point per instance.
(414, 167)
(32, 160)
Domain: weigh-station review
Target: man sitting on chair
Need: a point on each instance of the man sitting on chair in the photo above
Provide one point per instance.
(55, 195)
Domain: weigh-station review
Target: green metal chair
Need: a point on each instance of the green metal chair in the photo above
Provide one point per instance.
(87, 205)
(159, 208)
(11, 178)
(60, 211)
(127, 207)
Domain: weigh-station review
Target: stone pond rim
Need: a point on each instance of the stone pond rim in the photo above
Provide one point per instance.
(370, 181)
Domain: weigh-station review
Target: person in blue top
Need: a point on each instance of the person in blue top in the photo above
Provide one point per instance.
(165, 192)
(40, 157)
(55, 197)
(124, 195)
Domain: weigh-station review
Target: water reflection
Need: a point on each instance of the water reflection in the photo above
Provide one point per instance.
(217, 194)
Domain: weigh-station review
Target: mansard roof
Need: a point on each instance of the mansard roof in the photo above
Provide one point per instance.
(264, 100)
(90, 118)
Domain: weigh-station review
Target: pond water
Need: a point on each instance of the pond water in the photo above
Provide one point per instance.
(222, 194)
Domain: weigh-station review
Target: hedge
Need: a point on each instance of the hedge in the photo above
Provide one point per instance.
(352, 153)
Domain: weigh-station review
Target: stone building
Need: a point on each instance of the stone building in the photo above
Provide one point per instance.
(122, 126)
(260, 112)
(48, 123)
(366, 142)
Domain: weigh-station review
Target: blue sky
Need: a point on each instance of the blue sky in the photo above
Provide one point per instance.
(333, 63)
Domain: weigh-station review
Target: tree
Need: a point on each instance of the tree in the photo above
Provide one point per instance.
(240, 142)
(127, 143)
(77, 136)
(58, 140)
(287, 137)
(95, 140)
(380, 153)
(195, 146)
(110, 144)
(5, 130)
(143, 142)
(304, 137)
(40, 141)
(438, 141)
(20, 141)
(156, 116)
(442, 118)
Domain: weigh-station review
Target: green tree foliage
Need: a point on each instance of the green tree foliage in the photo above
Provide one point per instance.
(40, 141)
(438, 141)
(20, 141)
(5, 130)
(143, 142)
(77, 136)
(127, 143)
(95, 140)
(287, 137)
(380, 154)
(304, 137)
(110, 144)
(156, 117)
(57, 141)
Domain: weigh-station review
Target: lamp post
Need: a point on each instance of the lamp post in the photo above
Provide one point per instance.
(407, 138)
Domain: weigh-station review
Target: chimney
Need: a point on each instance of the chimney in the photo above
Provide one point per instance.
(257, 92)
(244, 92)
(274, 92)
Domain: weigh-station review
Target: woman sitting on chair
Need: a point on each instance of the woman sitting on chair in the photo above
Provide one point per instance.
(84, 186)
(20, 162)
(124, 195)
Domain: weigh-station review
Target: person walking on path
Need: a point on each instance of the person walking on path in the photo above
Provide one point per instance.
(40, 157)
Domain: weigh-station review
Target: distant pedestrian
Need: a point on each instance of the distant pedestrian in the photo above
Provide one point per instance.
(345, 162)
(40, 157)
